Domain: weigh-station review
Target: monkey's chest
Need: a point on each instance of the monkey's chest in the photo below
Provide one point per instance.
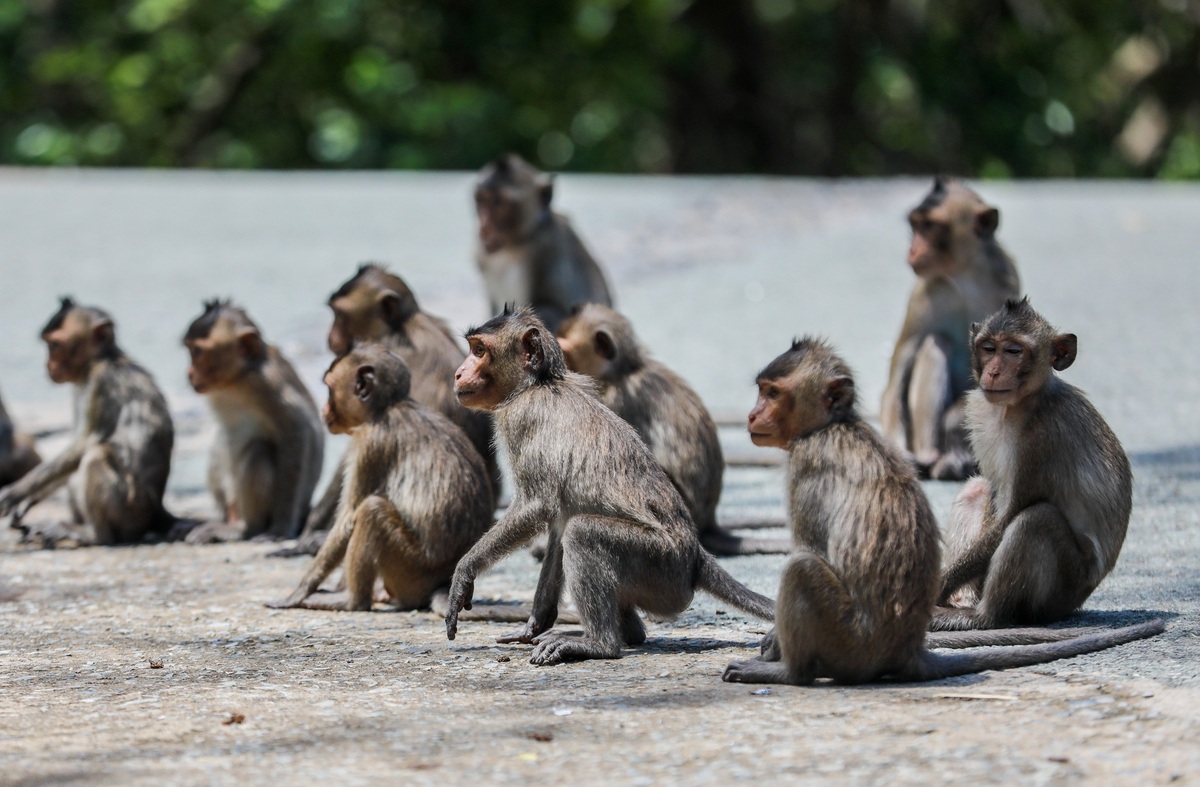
(507, 276)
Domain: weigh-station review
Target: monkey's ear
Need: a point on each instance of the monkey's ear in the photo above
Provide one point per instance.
(1064, 348)
(986, 222)
(606, 348)
(975, 329)
(546, 190)
(389, 304)
(251, 343)
(532, 352)
(364, 382)
(102, 333)
(839, 396)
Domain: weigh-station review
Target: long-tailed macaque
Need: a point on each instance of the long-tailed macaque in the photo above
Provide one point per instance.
(665, 411)
(18, 453)
(377, 306)
(1033, 537)
(117, 463)
(963, 275)
(528, 254)
(267, 457)
(415, 492)
(620, 537)
(858, 592)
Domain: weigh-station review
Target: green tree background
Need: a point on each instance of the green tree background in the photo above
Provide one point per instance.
(986, 88)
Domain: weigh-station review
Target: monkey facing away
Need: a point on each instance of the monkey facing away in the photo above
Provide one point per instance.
(1033, 537)
(117, 463)
(415, 494)
(18, 454)
(963, 275)
(267, 456)
(665, 411)
(377, 306)
(858, 592)
(528, 254)
(620, 537)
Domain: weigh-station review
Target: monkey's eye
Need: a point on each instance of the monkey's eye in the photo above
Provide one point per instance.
(1013, 349)
(987, 347)
(195, 352)
(771, 392)
(53, 345)
(478, 350)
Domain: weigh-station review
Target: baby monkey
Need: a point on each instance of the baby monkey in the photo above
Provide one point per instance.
(415, 491)
(600, 343)
(858, 592)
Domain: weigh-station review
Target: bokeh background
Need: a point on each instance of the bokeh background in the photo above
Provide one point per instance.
(984, 88)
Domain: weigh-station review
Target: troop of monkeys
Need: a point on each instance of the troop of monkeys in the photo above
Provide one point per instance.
(615, 460)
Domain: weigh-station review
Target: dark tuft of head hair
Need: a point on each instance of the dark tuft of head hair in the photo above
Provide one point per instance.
(214, 310)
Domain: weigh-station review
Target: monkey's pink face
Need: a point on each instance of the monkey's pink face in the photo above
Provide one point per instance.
(498, 219)
(930, 244)
(768, 422)
(1004, 365)
(474, 382)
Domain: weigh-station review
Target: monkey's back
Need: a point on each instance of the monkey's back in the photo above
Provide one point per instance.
(133, 417)
(564, 272)
(857, 503)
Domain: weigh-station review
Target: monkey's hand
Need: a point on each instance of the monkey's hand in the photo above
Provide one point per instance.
(462, 590)
(9, 500)
(768, 647)
(293, 601)
(532, 628)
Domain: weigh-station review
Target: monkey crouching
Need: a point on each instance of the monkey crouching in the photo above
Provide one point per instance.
(415, 492)
(858, 592)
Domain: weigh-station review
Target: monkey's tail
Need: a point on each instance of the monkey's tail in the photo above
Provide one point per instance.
(933, 666)
(981, 638)
(718, 582)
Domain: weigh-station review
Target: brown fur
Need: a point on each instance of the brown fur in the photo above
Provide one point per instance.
(415, 497)
(117, 464)
(857, 593)
(18, 454)
(666, 413)
(620, 536)
(963, 274)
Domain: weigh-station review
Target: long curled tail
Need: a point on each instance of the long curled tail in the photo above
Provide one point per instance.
(980, 638)
(718, 582)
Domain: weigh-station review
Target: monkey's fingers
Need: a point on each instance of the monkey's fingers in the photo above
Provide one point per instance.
(291, 602)
(451, 623)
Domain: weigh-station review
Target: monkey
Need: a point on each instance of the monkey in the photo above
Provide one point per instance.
(599, 342)
(1043, 524)
(18, 452)
(415, 491)
(620, 536)
(963, 274)
(266, 459)
(857, 593)
(529, 254)
(376, 305)
(116, 465)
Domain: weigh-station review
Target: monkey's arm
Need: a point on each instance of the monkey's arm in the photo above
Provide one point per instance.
(973, 563)
(40, 482)
(328, 558)
(547, 595)
(519, 524)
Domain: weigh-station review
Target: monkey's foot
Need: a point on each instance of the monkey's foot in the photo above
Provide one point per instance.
(216, 533)
(768, 647)
(555, 647)
(952, 466)
(756, 671)
(524, 636)
(307, 545)
(294, 601)
(334, 602)
(53, 535)
(958, 619)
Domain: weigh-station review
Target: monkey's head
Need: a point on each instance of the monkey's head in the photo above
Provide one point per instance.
(947, 226)
(511, 197)
(804, 390)
(370, 306)
(599, 342)
(508, 354)
(1015, 351)
(362, 385)
(224, 344)
(77, 336)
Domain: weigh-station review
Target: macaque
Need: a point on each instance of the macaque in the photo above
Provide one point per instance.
(1035, 534)
(18, 454)
(858, 592)
(963, 274)
(117, 463)
(600, 343)
(267, 457)
(377, 306)
(620, 536)
(528, 254)
(415, 491)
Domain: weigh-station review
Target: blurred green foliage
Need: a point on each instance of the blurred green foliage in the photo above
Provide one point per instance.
(825, 87)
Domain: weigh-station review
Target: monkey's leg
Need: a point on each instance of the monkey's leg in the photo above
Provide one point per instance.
(111, 502)
(255, 479)
(956, 462)
(928, 398)
(1037, 575)
(963, 528)
(893, 415)
(546, 597)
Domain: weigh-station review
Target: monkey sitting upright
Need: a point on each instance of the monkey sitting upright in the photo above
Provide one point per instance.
(857, 593)
(415, 492)
(665, 411)
(18, 454)
(1032, 538)
(963, 274)
(620, 536)
(117, 463)
(267, 456)
(528, 254)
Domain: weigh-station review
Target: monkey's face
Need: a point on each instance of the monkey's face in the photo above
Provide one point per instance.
(71, 348)
(345, 409)
(1005, 366)
(220, 358)
(929, 252)
(772, 422)
(499, 216)
(476, 382)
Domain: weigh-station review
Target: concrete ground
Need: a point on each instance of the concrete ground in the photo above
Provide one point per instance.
(718, 275)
